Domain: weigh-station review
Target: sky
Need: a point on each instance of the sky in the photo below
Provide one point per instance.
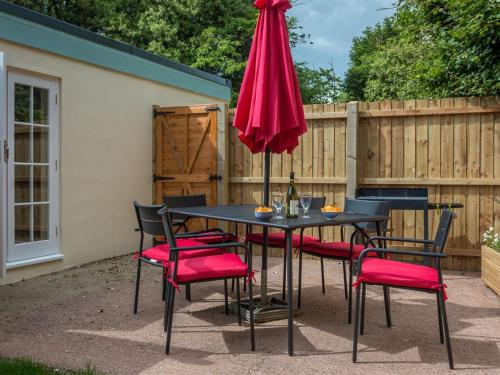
(332, 25)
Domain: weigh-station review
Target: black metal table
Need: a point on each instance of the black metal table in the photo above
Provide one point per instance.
(244, 214)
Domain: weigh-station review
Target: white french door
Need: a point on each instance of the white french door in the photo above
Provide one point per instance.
(32, 171)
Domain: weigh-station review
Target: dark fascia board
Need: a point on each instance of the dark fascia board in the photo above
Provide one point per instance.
(53, 23)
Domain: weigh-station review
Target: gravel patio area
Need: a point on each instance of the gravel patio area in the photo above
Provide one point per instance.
(83, 315)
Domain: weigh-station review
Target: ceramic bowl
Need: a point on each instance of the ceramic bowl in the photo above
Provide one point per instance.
(330, 214)
(259, 215)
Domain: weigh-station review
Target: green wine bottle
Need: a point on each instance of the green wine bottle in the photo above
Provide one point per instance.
(292, 199)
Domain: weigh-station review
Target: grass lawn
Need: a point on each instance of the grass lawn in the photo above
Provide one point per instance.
(23, 366)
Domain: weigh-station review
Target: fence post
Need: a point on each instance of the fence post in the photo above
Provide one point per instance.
(352, 148)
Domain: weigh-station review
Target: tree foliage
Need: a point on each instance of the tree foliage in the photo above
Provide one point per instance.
(318, 85)
(211, 35)
(429, 48)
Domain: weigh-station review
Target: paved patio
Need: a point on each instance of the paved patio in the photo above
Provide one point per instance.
(84, 315)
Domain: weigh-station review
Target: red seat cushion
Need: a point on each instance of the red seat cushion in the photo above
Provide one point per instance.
(278, 239)
(212, 267)
(215, 239)
(160, 253)
(334, 249)
(392, 272)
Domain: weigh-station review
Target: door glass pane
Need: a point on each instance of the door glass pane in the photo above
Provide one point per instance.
(40, 222)
(40, 144)
(22, 103)
(22, 143)
(40, 183)
(40, 106)
(22, 223)
(22, 183)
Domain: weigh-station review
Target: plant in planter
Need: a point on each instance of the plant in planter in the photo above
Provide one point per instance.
(490, 260)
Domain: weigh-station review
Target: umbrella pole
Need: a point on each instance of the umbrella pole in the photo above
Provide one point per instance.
(263, 279)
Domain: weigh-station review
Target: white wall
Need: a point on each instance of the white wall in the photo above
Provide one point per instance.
(106, 153)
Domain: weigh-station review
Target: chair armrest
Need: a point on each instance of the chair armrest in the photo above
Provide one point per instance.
(401, 239)
(203, 234)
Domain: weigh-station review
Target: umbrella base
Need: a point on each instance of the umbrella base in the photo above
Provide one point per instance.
(276, 309)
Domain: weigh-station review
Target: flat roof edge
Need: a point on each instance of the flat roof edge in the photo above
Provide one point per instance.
(65, 27)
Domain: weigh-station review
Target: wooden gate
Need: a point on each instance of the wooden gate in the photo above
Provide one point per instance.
(185, 156)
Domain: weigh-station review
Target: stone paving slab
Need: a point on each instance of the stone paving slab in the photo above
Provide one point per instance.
(83, 315)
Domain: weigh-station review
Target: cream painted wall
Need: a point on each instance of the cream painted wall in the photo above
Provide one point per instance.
(105, 153)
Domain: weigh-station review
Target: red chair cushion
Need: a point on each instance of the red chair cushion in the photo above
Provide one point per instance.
(392, 272)
(215, 239)
(212, 267)
(334, 249)
(278, 239)
(161, 253)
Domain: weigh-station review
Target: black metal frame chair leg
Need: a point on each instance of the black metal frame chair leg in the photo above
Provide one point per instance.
(163, 288)
(170, 318)
(238, 299)
(356, 326)
(137, 282)
(249, 245)
(349, 299)
(440, 319)
(445, 328)
(363, 301)
(226, 302)
(188, 292)
(387, 304)
(345, 279)
(299, 293)
(283, 292)
(322, 276)
(166, 310)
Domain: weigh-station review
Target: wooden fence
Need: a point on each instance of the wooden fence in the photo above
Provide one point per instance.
(449, 146)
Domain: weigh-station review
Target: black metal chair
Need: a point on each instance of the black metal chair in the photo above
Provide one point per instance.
(345, 251)
(223, 266)
(181, 221)
(150, 223)
(398, 274)
(277, 240)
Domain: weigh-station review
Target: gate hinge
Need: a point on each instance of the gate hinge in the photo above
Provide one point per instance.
(157, 178)
(5, 151)
(157, 113)
(212, 108)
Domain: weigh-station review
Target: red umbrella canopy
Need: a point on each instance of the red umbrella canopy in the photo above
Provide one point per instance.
(269, 114)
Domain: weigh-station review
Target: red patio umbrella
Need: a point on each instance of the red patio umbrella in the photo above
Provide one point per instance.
(269, 115)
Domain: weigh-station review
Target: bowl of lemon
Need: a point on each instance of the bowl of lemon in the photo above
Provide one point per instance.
(263, 213)
(330, 211)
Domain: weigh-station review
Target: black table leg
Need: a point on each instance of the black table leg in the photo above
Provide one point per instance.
(289, 251)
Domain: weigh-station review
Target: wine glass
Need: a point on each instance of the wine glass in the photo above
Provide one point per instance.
(278, 203)
(305, 202)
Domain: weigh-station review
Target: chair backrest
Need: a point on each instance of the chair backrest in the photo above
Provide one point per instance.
(185, 200)
(443, 230)
(176, 201)
(359, 206)
(149, 220)
(316, 203)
